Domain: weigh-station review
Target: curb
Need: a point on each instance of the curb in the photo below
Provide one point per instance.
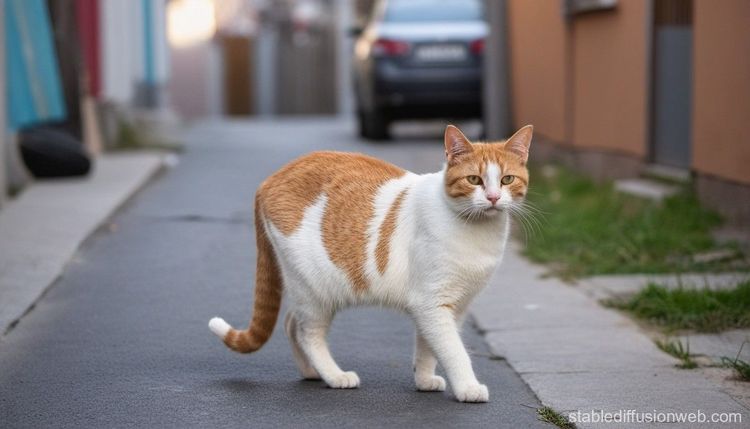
(42, 229)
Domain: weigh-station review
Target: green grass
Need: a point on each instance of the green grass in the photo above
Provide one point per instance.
(741, 368)
(584, 228)
(548, 415)
(677, 350)
(130, 137)
(701, 310)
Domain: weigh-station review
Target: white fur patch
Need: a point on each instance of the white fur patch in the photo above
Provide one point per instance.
(310, 277)
(384, 199)
(218, 326)
(492, 177)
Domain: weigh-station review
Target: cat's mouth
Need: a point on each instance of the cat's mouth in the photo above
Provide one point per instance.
(492, 211)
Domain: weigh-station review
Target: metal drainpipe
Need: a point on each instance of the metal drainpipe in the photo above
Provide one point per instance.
(344, 18)
(149, 70)
(265, 58)
(496, 80)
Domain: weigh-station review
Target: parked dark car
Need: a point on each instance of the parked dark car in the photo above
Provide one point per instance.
(419, 59)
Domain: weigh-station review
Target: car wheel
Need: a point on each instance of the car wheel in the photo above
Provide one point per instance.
(361, 126)
(373, 125)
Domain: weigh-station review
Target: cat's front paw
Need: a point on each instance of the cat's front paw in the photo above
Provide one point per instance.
(472, 393)
(433, 383)
(345, 380)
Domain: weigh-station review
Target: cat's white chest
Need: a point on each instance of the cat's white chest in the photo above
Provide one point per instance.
(460, 256)
(476, 254)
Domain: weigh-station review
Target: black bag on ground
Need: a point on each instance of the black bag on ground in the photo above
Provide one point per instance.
(53, 153)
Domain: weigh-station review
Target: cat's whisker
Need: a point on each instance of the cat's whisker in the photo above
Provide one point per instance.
(533, 209)
(527, 218)
(534, 223)
(522, 221)
(538, 217)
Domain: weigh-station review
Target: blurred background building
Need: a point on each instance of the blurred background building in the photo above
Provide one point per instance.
(103, 71)
(260, 57)
(614, 87)
(78, 69)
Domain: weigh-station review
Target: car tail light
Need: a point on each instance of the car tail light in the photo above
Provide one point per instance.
(389, 48)
(477, 46)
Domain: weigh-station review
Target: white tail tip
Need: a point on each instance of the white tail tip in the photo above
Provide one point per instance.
(218, 326)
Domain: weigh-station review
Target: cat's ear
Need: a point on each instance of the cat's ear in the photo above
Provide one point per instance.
(456, 144)
(519, 142)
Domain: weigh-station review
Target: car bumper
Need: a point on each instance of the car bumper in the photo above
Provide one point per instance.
(437, 88)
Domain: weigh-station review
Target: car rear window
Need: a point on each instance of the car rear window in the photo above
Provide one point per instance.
(433, 10)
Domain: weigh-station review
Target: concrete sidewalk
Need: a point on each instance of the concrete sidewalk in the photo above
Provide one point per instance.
(622, 285)
(41, 230)
(577, 355)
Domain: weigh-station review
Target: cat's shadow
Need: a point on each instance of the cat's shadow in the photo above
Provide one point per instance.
(243, 385)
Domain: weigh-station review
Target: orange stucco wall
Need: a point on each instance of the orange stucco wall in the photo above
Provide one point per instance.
(537, 56)
(721, 89)
(610, 82)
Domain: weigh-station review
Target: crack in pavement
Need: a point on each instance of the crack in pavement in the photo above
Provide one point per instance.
(197, 218)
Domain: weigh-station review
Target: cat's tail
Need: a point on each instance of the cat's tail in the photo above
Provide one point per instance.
(267, 297)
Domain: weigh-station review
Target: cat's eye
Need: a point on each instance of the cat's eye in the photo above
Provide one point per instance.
(507, 180)
(474, 180)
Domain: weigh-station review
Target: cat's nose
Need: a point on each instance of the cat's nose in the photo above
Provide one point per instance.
(493, 198)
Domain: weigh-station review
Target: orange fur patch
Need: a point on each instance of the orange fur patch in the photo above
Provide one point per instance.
(386, 231)
(350, 181)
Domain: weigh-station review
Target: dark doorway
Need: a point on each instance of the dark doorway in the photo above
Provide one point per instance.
(237, 75)
(672, 73)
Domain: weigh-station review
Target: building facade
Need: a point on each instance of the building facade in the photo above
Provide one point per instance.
(633, 83)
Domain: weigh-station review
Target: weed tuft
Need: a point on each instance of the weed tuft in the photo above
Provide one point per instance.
(548, 415)
(677, 350)
(740, 367)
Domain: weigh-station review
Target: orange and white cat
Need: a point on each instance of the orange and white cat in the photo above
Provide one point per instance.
(342, 229)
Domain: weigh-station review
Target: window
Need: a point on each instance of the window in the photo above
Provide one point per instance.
(574, 7)
(433, 10)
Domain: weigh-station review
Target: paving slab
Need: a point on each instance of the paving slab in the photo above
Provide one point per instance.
(43, 227)
(666, 390)
(724, 344)
(540, 349)
(646, 188)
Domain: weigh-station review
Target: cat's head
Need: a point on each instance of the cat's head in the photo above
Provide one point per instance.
(483, 179)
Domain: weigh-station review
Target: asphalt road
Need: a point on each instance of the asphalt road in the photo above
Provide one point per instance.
(121, 339)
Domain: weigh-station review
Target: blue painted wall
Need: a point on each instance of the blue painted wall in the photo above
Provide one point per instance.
(34, 92)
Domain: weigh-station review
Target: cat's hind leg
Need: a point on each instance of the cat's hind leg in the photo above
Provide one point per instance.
(424, 368)
(303, 363)
(312, 331)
